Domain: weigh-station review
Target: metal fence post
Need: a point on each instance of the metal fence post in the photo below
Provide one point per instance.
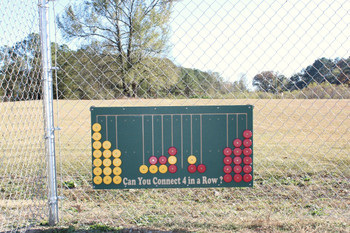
(48, 109)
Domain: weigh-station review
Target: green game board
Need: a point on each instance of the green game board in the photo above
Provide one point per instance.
(172, 147)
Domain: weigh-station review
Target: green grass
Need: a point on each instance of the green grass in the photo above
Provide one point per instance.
(301, 173)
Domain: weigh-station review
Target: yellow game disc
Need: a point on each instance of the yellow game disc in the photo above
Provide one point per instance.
(106, 145)
(191, 159)
(97, 162)
(117, 171)
(107, 180)
(96, 136)
(117, 162)
(117, 153)
(96, 145)
(96, 127)
(117, 179)
(97, 171)
(97, 154)
(172, 159)
(97, 180)
(107, 162)
(143, 169)
(107, 154)
(153, 169)
(107, 171)
(163, 168)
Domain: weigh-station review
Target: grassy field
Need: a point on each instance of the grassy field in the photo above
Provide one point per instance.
(301, 166)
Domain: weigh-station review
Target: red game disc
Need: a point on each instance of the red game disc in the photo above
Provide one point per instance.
(191, 168)
(227, 151)
(172, 168)
(237, 169)
(237, 178)
(162, 160)
(247, 133)
(237, 151)
(237, 160)
(227, 160)
(247, 151)
(227, 178)
(247, 177)
(227, 169)
(247, 160)
(201, 168)
(153, 160)
(247, 169)
(237, 142)
(172, 151)
(247, 142)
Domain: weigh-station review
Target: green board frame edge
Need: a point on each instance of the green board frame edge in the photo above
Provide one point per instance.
(185, 110)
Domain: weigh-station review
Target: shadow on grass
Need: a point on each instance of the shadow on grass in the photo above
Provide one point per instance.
(102, 228)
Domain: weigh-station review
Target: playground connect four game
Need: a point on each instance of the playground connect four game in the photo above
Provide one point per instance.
(172, 147)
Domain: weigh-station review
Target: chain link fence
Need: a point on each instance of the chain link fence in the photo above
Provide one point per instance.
(23, 179)
(290, 59)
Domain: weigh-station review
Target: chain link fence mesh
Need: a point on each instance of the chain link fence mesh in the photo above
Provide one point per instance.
(23, 179)
(290, 59)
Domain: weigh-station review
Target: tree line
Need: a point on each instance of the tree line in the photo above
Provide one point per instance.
(92, 72)
(323, 70)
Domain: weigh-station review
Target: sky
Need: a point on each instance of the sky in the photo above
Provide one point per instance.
(18, 18)
(247, 37)
(231, 37)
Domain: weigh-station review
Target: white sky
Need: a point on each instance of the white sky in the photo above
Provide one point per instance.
(234, 37)
(18, 18)
(230, 36)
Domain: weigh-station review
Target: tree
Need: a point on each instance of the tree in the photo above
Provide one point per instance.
(295, 82)
(89, 73)
(241, 84)
(320, 71)
(157, 77)
(20, 70)
(269, 81)
(132, 30)
(86, 73)
(342, 71)
(195, 83)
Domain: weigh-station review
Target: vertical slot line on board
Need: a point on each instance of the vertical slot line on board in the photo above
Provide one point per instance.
(106, 128)
(200, 135)
(226, 130)
(191, 134)
(246, 120)
(152, 136)
(237, 115)
(143, 139)
(161, 118)
(182, 140)
(116, 132)
(172, 132)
